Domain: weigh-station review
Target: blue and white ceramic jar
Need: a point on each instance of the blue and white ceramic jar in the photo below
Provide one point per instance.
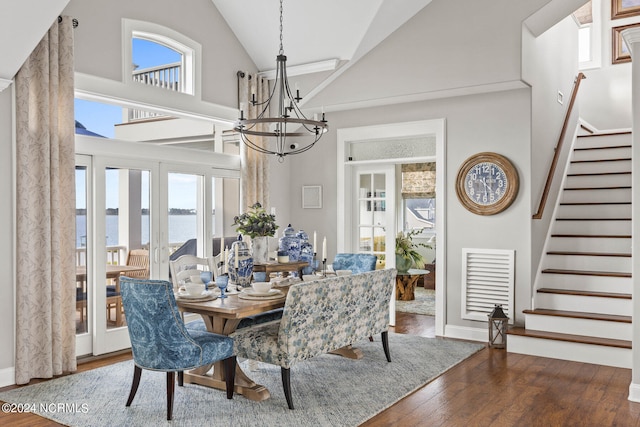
(306, 251)
(290, 243)
(245, 264)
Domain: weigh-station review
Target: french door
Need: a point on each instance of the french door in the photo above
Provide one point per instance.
(373, 219)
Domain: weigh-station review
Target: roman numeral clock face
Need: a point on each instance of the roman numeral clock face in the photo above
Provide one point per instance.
(487, 183)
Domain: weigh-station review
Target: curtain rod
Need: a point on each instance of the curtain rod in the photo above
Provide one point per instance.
(74, 21)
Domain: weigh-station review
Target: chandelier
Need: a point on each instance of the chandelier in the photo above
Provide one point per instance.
(290, 132)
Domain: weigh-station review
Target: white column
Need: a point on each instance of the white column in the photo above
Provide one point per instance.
(632, 39)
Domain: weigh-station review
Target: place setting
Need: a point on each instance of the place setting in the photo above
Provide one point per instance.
(261, 291)
(196, 290)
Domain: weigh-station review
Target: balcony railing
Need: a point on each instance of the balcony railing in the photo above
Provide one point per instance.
(167, 76)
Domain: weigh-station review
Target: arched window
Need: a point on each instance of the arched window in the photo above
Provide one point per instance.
(158, 56)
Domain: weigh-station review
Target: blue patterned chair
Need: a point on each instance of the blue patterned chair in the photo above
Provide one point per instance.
(320, 317)
(160, 341)
(357, 263)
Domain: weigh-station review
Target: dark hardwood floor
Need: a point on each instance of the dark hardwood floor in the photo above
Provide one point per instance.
(492, 388)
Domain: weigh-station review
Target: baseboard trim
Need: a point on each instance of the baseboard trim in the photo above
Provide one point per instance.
(466, 333)
(634, 392)
(7, 377)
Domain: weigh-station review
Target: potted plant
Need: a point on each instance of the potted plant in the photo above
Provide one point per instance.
(258, 225)
(407, 255)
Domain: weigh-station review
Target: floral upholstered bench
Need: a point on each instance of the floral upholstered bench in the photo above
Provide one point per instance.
(320, 317)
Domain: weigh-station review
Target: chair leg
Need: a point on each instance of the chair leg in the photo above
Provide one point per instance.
(230, 375)
(385, 345)
(181, 378)
(286, 385)
(137, 372)
(171, 382)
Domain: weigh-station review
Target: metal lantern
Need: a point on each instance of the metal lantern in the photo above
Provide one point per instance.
(497, 327)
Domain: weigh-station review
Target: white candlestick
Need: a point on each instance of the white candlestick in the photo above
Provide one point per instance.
(236, 256)
(324, 248)
(315, 248)
(221, 245)
(225, 267)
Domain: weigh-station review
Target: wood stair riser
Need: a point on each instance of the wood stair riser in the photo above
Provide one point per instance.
(588, 226)
(589, 181)
(600, 196)
(569, 325)
(614, 152)
(595, 211)
(588, 263)
(586, 304)
(603, 141)
(600, 167)
(590, 244)
(578, 352)
(620, 285)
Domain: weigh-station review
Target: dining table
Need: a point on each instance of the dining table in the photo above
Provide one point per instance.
(222, 316)
(112, 271)
(281, 267)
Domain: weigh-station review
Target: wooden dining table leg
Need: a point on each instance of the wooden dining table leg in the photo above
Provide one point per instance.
(216, 379)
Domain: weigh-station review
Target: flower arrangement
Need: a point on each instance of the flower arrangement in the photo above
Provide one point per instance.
(407, 249)
(256, 222)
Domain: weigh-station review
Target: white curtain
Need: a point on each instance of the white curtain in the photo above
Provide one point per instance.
(254, 165)
(45, 209)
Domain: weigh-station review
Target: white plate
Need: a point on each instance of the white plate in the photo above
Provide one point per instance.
(185, 295)
(254, 293)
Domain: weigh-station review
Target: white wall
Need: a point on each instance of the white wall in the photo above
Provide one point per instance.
(497, 122)
(447, 45)
(6, 231)
(98, 43)
(549, 65)
(605, 101)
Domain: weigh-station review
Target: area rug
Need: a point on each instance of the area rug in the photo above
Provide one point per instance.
(425, 303)
(328, 390)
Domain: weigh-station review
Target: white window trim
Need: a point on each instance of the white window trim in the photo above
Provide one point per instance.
(595, 36)
(191, 51)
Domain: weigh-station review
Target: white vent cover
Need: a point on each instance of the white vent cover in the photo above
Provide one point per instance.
(487, 279)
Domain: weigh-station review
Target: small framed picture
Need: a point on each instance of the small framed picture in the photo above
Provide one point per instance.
(619, 51)
(312, 196)
(624, 8)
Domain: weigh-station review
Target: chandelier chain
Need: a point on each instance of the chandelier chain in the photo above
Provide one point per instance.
(281, 48)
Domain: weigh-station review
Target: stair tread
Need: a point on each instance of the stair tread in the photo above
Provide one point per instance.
(593, 219)
(582, 339)
(586, 272)
(599, 173)
(618, 159)
(603, 147)
(624, 132)
(604, 236)
(593, 203)
(578, 292)
(580, 315)
(616, 187)
(571, 253)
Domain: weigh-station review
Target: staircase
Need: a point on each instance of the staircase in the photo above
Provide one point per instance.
(582, 295)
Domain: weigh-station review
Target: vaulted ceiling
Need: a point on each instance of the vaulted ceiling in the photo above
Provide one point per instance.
(314, 31)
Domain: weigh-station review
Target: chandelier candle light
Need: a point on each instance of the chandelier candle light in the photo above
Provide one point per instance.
(281, 140)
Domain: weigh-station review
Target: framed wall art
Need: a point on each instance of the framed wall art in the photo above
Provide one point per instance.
(624, 8)
(312, 196)
(619, 51)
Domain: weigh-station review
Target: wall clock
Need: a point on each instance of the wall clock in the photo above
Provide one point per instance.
(487, 183)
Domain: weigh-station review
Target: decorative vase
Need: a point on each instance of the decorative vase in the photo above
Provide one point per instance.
(260, 249)
(241, 277)
(306, 251)
(403, 264)
(290, 243)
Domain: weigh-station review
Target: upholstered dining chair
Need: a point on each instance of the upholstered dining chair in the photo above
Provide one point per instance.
(160, 341)
(357, 263)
